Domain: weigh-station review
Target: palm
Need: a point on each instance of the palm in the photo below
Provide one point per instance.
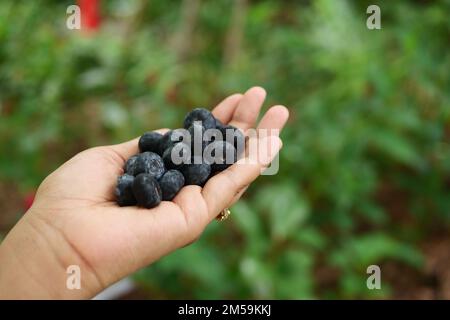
(115, 241)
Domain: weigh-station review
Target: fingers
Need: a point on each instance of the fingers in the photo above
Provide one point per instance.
(237, 196)
(247, 111)
(274, 119)
(221, 189)
(225, 109)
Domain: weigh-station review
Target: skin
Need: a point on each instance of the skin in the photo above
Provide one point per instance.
(75, 220)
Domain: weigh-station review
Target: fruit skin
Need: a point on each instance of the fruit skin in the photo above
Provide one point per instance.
(150, 141)
(150, 163)
(182, 150)
(200, 114)
(196, 132)
(196, 174)
(147, 191)
(171, 183)
(170, 138)
(124, 191)
(130, 165)
(223, 160)
(238, 140)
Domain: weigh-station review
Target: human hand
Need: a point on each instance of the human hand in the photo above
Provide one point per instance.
(76, 221)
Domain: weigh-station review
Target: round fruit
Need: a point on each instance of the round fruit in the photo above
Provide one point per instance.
(130, 165)
(200, 114)
(147, 191)
(149, 141)
(177, 155)
(150, 163)
(124, 191)
(221, 155)
(196, 174)
(234, 136)
(171, 183)
(171, 138)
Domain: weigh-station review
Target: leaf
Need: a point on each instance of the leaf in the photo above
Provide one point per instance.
(286, 207)
(395, 146)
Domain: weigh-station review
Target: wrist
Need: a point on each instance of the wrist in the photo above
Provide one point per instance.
(36, 262)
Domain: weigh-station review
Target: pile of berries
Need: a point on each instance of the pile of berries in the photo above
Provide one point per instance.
(185, 156)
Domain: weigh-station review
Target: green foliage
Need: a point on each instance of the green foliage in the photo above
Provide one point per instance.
(367, 141)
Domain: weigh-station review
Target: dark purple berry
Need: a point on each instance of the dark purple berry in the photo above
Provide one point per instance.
(171, 183)
(234, 136)
(221, 155)
(177, 155)
(147, 191)
(130, 165)
(196, 174)
(150, 163)
(124, 191)
(171, 138)
(149, 141)
(211, 135)
(200, 114)
(198, 144)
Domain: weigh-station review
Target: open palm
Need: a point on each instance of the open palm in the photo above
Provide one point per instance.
(77, 201)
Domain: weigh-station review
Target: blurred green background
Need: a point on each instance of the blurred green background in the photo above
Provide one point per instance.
(365, 170)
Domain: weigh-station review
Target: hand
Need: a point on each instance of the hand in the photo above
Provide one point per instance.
(75, 220)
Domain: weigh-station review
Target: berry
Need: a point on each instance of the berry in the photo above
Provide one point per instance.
(171, 138)
(149, 141)
(235, 136)
(196, 174)
(191, 155)
(150, 163)
(211, 135)
(196, 132)
(171, 182)
(177, 155)
(147, 191)
(130, 165)
(221, 155)
(124, 191)
(200, 114)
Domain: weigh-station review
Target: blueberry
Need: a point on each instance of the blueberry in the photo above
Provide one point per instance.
(196, 174)
(130, 165)
(191, 155)
(177, 155)
(221, 155)
(165, 142)
(150, 163)
(235, 136)
(196, 132)
(171, 182)
(147, 191)
(171, 138)
(211, 135)
(124, 191)
(200, 114)
(149, 141)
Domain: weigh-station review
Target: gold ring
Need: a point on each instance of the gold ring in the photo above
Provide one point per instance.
(223, 215)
